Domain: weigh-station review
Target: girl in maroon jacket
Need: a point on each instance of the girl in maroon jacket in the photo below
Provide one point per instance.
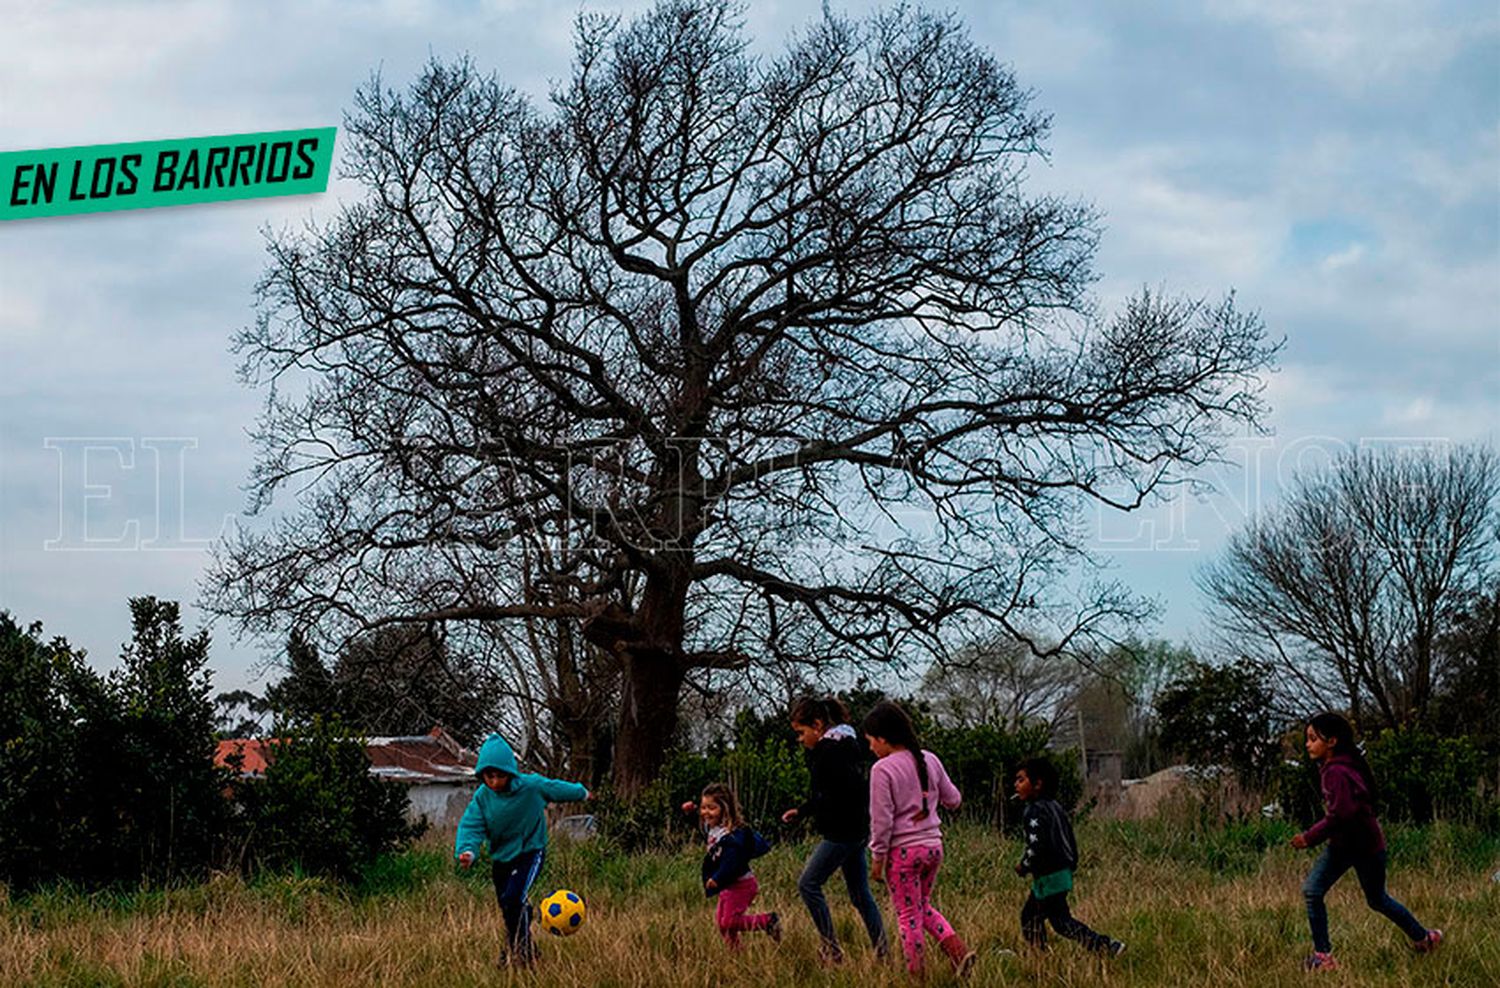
(1354, 839)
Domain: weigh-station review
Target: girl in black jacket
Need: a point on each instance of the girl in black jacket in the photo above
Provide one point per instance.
(726, 866)
(839, 804)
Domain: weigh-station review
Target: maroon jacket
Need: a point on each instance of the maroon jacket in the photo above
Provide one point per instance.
(1349, 822)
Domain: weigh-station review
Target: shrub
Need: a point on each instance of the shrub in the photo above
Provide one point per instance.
(38, 754)
(108, 780)
(1422, 777)
(1222, 715)
(982, 761)
(318, 809)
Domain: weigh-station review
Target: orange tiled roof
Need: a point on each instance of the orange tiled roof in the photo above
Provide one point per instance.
(433, 757)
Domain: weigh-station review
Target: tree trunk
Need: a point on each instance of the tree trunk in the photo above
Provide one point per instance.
(649, 643)
(648, 719)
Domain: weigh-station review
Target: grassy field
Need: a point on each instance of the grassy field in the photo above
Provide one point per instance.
(1220, 908)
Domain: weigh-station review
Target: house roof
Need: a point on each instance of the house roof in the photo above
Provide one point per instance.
(434, 757)
(251, 753)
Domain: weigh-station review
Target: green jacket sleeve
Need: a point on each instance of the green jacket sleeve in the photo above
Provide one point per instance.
(558, 791)
(471, 830)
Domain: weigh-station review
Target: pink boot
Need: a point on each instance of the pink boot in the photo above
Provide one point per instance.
(958, 952)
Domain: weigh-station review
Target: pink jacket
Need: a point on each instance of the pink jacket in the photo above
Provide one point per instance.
(1349, 821)
(896, 799)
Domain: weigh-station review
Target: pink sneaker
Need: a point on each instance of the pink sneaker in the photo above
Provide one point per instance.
(1320, 961)
(1429, 943)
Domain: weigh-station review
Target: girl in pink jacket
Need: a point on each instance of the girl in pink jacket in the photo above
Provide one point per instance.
(907, 785)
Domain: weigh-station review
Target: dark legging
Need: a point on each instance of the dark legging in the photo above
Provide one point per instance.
(1054, 909)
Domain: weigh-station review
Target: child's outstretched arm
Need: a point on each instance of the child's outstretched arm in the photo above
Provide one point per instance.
(471, 833)
(559, 791)
(948, 794)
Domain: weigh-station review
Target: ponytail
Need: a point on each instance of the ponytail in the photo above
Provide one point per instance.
(890, 723)
(829, 710)
(1334, 727)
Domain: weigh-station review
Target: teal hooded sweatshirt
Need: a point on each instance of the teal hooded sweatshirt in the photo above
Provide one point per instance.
(513, 821)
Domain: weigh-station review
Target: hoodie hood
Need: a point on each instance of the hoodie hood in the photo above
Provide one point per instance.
(495, 753)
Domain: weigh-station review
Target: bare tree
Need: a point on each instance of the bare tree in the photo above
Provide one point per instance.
(556, 694)
(1001, 682)
(1345, 584)
(773, 354)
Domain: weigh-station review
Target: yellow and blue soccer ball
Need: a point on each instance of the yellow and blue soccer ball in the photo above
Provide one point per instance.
(562, 913)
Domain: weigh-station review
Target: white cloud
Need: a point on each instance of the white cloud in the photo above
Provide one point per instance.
(1352, 254)
(1354, 44)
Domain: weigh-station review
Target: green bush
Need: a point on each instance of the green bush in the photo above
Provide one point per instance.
(1422, 777)
(982, 762)
(1296, 789)
(1419, 778)
(1222, 715)
(318, 810)
(766, 767)
(39, 757)
(106, 780)
(760, 760)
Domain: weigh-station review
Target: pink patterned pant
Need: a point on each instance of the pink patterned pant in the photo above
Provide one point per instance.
(911, 872)
(734, 900)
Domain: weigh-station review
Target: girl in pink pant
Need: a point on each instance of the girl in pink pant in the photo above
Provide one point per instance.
(906, 839)
(726, 866)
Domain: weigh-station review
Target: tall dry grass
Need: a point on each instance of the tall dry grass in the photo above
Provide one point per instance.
(1197, 908)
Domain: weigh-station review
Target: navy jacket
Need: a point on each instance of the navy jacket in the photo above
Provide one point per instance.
(1050, 845)
(729, 858)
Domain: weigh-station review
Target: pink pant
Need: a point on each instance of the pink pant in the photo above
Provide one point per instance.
(734, 900)
(910, 873)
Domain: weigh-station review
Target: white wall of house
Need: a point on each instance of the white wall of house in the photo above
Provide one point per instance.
(441, 803)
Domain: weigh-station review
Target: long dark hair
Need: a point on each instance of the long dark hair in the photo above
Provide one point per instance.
(1334, 727)
(828, 711)
(890, 723)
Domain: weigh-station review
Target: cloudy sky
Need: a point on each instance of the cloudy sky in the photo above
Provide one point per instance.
(1337, 164)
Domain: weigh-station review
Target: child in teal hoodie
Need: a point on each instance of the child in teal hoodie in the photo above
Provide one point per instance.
(509, 812)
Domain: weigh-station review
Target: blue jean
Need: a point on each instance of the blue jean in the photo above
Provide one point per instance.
(828, 857)
(1370, 869)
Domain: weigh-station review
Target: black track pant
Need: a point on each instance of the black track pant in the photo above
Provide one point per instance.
(513, 880)
(1054, 909)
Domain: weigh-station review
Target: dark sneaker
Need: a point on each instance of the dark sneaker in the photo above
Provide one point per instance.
(1115, 948)
(1429, 943)
(1320, 961)
(773, 927)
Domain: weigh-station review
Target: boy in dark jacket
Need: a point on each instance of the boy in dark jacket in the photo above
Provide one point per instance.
(1050, 858)
(726, 867)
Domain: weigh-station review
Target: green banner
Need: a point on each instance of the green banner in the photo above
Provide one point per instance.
(147, 174)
